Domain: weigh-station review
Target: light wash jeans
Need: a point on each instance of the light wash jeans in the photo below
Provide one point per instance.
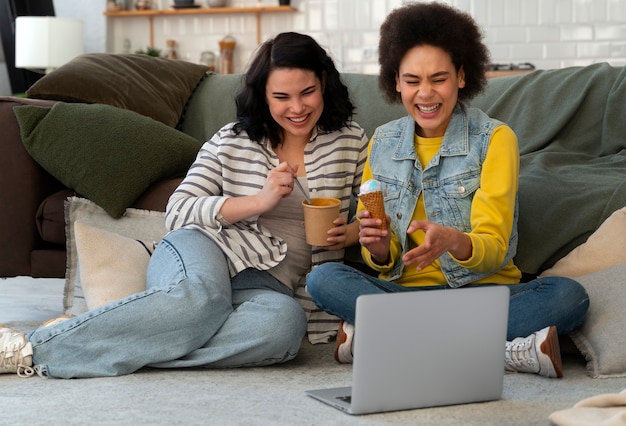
(537, 304)
(191, 315)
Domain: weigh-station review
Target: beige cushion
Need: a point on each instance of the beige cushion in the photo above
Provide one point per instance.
(135, 224)
(606, 247)
(111, 266)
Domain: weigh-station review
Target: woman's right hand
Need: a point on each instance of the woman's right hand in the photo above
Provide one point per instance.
(376, 240)
(278, 185)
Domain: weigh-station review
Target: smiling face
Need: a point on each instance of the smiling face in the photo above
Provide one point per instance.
(429, 85)
(295, 100)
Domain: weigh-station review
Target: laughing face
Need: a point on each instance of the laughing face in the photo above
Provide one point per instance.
(295, 100)
(429, 84)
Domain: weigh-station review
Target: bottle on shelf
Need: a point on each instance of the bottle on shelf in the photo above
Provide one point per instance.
(171, 49)
(227, 47)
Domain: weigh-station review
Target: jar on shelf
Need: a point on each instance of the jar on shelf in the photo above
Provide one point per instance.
(207, 58)
(171, 49)
(143, 4)
(113, 6)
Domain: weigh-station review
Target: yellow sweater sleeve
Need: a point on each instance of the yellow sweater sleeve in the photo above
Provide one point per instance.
(493, 205)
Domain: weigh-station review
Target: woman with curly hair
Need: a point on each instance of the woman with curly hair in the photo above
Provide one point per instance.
(449, 174)
(221, 283)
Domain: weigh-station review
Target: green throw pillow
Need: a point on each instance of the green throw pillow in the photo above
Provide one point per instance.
(107, 154)
(156, 87)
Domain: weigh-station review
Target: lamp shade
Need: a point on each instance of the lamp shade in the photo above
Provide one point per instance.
(46, 42)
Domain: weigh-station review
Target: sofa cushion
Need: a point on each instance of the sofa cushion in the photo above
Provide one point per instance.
(107, 154)
(51, 217)
(156, 87)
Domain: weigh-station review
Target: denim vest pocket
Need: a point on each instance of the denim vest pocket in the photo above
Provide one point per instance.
(457, 193)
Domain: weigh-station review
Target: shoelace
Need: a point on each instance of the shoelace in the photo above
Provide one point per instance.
(25, 371)
(13, 363)
(519, 353)
(11, 359)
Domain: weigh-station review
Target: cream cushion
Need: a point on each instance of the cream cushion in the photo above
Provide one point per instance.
(136, 224)
(606, 247)
(111, 266)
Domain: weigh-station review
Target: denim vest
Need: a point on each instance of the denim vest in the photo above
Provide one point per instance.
(448, 182)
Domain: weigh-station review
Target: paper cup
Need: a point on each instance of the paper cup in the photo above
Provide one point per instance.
(318, 219)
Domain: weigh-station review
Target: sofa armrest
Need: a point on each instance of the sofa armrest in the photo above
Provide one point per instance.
(23, 186)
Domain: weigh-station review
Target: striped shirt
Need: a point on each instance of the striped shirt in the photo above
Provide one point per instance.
(231, 165)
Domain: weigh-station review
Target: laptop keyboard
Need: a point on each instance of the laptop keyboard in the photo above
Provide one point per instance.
(347, 399)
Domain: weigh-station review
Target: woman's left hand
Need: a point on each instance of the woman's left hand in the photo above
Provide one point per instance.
(341, 235)
(439, 239)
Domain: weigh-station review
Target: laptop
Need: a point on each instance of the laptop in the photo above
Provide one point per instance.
(424, 349)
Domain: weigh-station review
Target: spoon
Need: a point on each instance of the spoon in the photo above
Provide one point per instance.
(306, 196)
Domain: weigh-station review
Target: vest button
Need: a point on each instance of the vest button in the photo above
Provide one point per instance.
(399, 215)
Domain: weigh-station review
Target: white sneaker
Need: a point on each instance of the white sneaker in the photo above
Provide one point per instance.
(538, 353)
(343, 347)
(16, 353)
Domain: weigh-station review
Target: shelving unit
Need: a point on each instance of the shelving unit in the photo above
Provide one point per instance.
(150, 14)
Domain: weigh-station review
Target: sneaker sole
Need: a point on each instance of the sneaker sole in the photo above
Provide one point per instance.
(342, 346)
(550, 349)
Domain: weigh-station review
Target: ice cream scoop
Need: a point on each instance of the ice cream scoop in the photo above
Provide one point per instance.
(371, 185)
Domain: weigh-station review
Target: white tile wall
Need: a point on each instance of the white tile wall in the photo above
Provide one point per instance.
(547, 33)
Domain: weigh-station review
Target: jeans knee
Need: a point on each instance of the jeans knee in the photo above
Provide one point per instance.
(321, 277)
(284, 319)
(572, 291)
(287, 331)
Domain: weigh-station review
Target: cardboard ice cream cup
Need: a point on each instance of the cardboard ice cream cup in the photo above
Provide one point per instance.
(318, 219)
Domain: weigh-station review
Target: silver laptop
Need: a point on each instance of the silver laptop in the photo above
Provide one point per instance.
(424, 349)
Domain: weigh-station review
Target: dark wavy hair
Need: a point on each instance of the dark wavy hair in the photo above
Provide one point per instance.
(438, 25)
(290, 50)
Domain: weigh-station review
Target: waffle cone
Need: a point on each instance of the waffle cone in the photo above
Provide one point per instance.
(373, 202)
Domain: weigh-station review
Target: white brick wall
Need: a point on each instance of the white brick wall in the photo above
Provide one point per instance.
(547, 33)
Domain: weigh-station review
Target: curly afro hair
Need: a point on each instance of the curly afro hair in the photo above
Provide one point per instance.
(438, 25)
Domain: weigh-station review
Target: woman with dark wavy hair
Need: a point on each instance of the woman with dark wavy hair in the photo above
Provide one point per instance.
(221, 284)
(450, 176)
(290, 50)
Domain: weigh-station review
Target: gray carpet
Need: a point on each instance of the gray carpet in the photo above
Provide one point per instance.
(256, 396)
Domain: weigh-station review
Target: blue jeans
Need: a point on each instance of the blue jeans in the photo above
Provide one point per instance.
(191, 315)
(537, 304)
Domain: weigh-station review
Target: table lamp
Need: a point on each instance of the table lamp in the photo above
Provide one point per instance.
(46, 42)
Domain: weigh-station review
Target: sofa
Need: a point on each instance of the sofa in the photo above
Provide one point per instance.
(120, 131)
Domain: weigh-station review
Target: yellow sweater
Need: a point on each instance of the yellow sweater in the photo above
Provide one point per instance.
(491, 216)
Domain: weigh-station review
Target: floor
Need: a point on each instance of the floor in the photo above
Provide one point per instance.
(272, 395)
(16, 302)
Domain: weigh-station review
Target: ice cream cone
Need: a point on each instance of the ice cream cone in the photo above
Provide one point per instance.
(373, 202)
